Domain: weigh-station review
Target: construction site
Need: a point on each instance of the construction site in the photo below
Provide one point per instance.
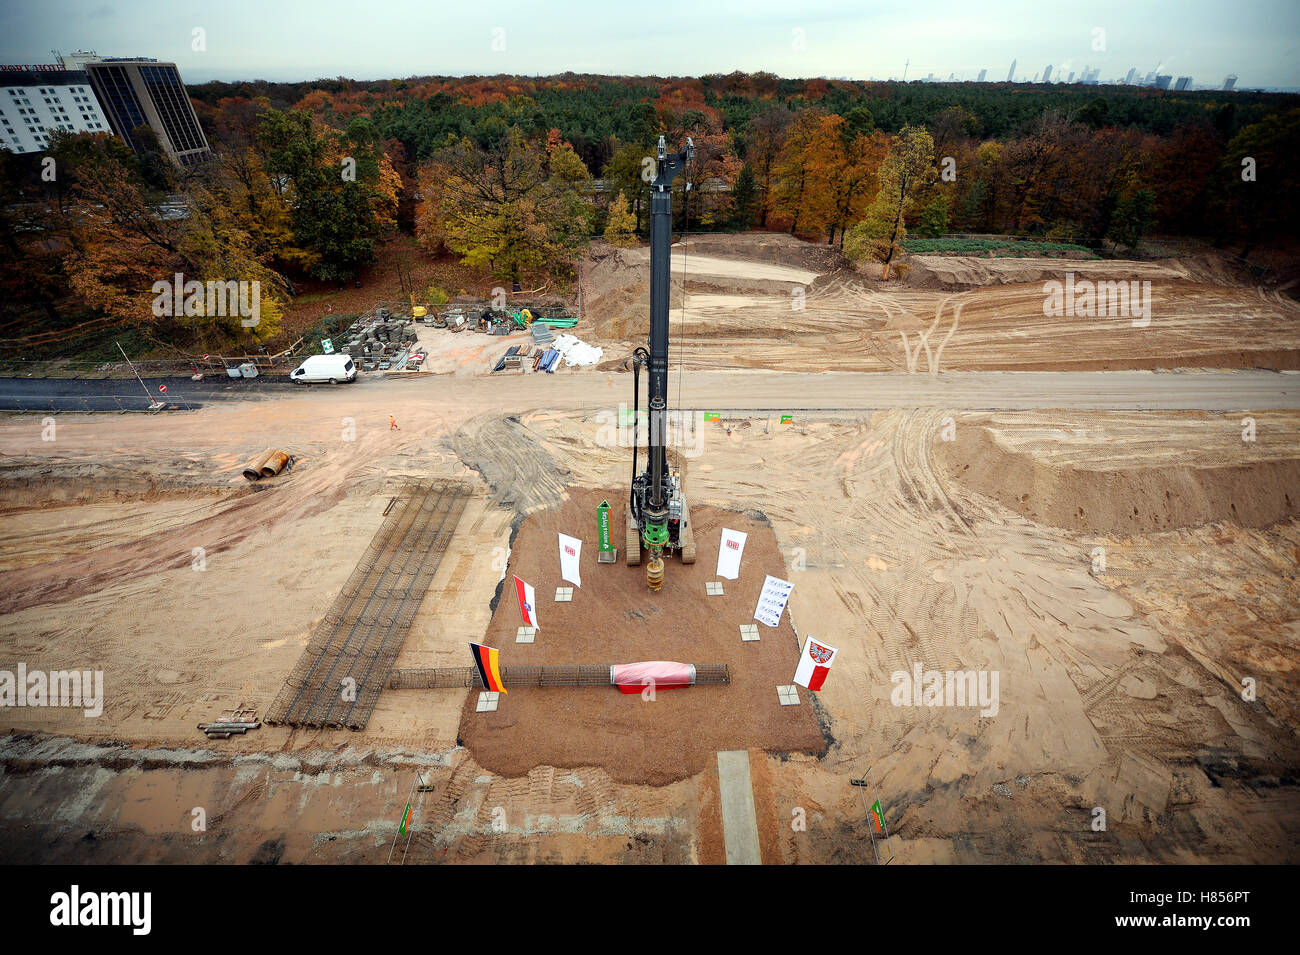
(281, 592)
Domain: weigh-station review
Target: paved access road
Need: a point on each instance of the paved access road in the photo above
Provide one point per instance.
(126, 394)
(830, 391)
(725, 391)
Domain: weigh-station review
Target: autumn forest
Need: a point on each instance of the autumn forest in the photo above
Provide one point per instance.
(515, 176)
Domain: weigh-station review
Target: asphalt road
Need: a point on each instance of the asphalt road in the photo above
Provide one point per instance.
(754, 390)
(725, 391)
(126, 394)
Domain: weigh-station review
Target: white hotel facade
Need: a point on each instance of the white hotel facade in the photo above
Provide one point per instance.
(37, 100)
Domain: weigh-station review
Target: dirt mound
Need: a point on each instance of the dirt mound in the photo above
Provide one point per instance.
(1122, 500)
(623, 313)
(1208, 269)
(615, 619)
(616, 282)
(521, 474)
(957, 272)
(774, 247)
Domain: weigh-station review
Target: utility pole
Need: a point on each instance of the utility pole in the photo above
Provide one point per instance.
(152, 402)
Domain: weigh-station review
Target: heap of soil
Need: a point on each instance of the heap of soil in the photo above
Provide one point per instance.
(615, 619)
(1116, 502)
(616, 282)
(960, 272)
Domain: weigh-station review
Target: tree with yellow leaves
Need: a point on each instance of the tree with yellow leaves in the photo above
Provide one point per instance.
(907, 167)
(620, 230)
(511, 205)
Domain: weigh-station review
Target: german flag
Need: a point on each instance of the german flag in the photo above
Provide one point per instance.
(486, 659)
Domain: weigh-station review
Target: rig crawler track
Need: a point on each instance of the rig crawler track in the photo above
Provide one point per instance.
(338, 679)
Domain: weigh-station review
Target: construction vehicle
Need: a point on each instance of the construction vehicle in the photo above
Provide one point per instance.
(658, 518)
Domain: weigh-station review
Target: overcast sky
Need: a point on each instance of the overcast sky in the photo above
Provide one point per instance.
(371, 39)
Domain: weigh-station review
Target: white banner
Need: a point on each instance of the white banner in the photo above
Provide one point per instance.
(570, 557)
(730, 549)
(772, 600)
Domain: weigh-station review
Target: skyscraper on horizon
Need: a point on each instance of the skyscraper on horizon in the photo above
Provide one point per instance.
(983, 73)
(1011, 73)
(1128, 80)
(1047, 74)
(1183, 83)
(1229, 82)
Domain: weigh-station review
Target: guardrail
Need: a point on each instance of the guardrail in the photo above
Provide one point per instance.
(149, 368)
(84, 404)
(99, 370)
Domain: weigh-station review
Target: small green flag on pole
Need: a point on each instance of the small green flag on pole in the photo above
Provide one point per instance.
(787, 418)
(406, 818)
(878, 814)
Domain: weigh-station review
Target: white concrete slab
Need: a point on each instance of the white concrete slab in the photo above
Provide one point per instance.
(739, 820)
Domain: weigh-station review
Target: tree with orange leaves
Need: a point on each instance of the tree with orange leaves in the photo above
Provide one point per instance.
(119, 245)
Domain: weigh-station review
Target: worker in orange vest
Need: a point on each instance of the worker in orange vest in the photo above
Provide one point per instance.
(392, 424)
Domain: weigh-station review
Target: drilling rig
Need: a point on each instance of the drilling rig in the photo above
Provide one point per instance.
(658, 518)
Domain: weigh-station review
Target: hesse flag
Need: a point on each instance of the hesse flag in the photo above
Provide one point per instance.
(570, 556)
(730, 550)
(814, 663)
(527, 603)
(487, 659)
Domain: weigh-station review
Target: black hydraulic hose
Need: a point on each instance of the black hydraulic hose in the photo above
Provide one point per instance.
(636, 427)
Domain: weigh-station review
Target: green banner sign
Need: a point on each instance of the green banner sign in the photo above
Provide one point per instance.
(602, 526)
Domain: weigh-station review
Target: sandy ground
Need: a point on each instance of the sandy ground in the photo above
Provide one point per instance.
(1120, 687)
(952, 313)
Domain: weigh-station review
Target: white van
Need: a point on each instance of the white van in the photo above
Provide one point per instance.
(331, 368)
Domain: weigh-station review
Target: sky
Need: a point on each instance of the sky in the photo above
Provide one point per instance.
(377, 39)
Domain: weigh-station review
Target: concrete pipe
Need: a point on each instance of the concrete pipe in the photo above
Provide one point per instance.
(254, 469)
(274, 464)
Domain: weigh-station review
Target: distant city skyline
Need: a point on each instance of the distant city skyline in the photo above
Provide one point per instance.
(297, 40)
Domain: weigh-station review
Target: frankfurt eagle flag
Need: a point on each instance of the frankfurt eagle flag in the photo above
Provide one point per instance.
(570, 558)
(527, 603)
(488, 661)
(814, 663)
